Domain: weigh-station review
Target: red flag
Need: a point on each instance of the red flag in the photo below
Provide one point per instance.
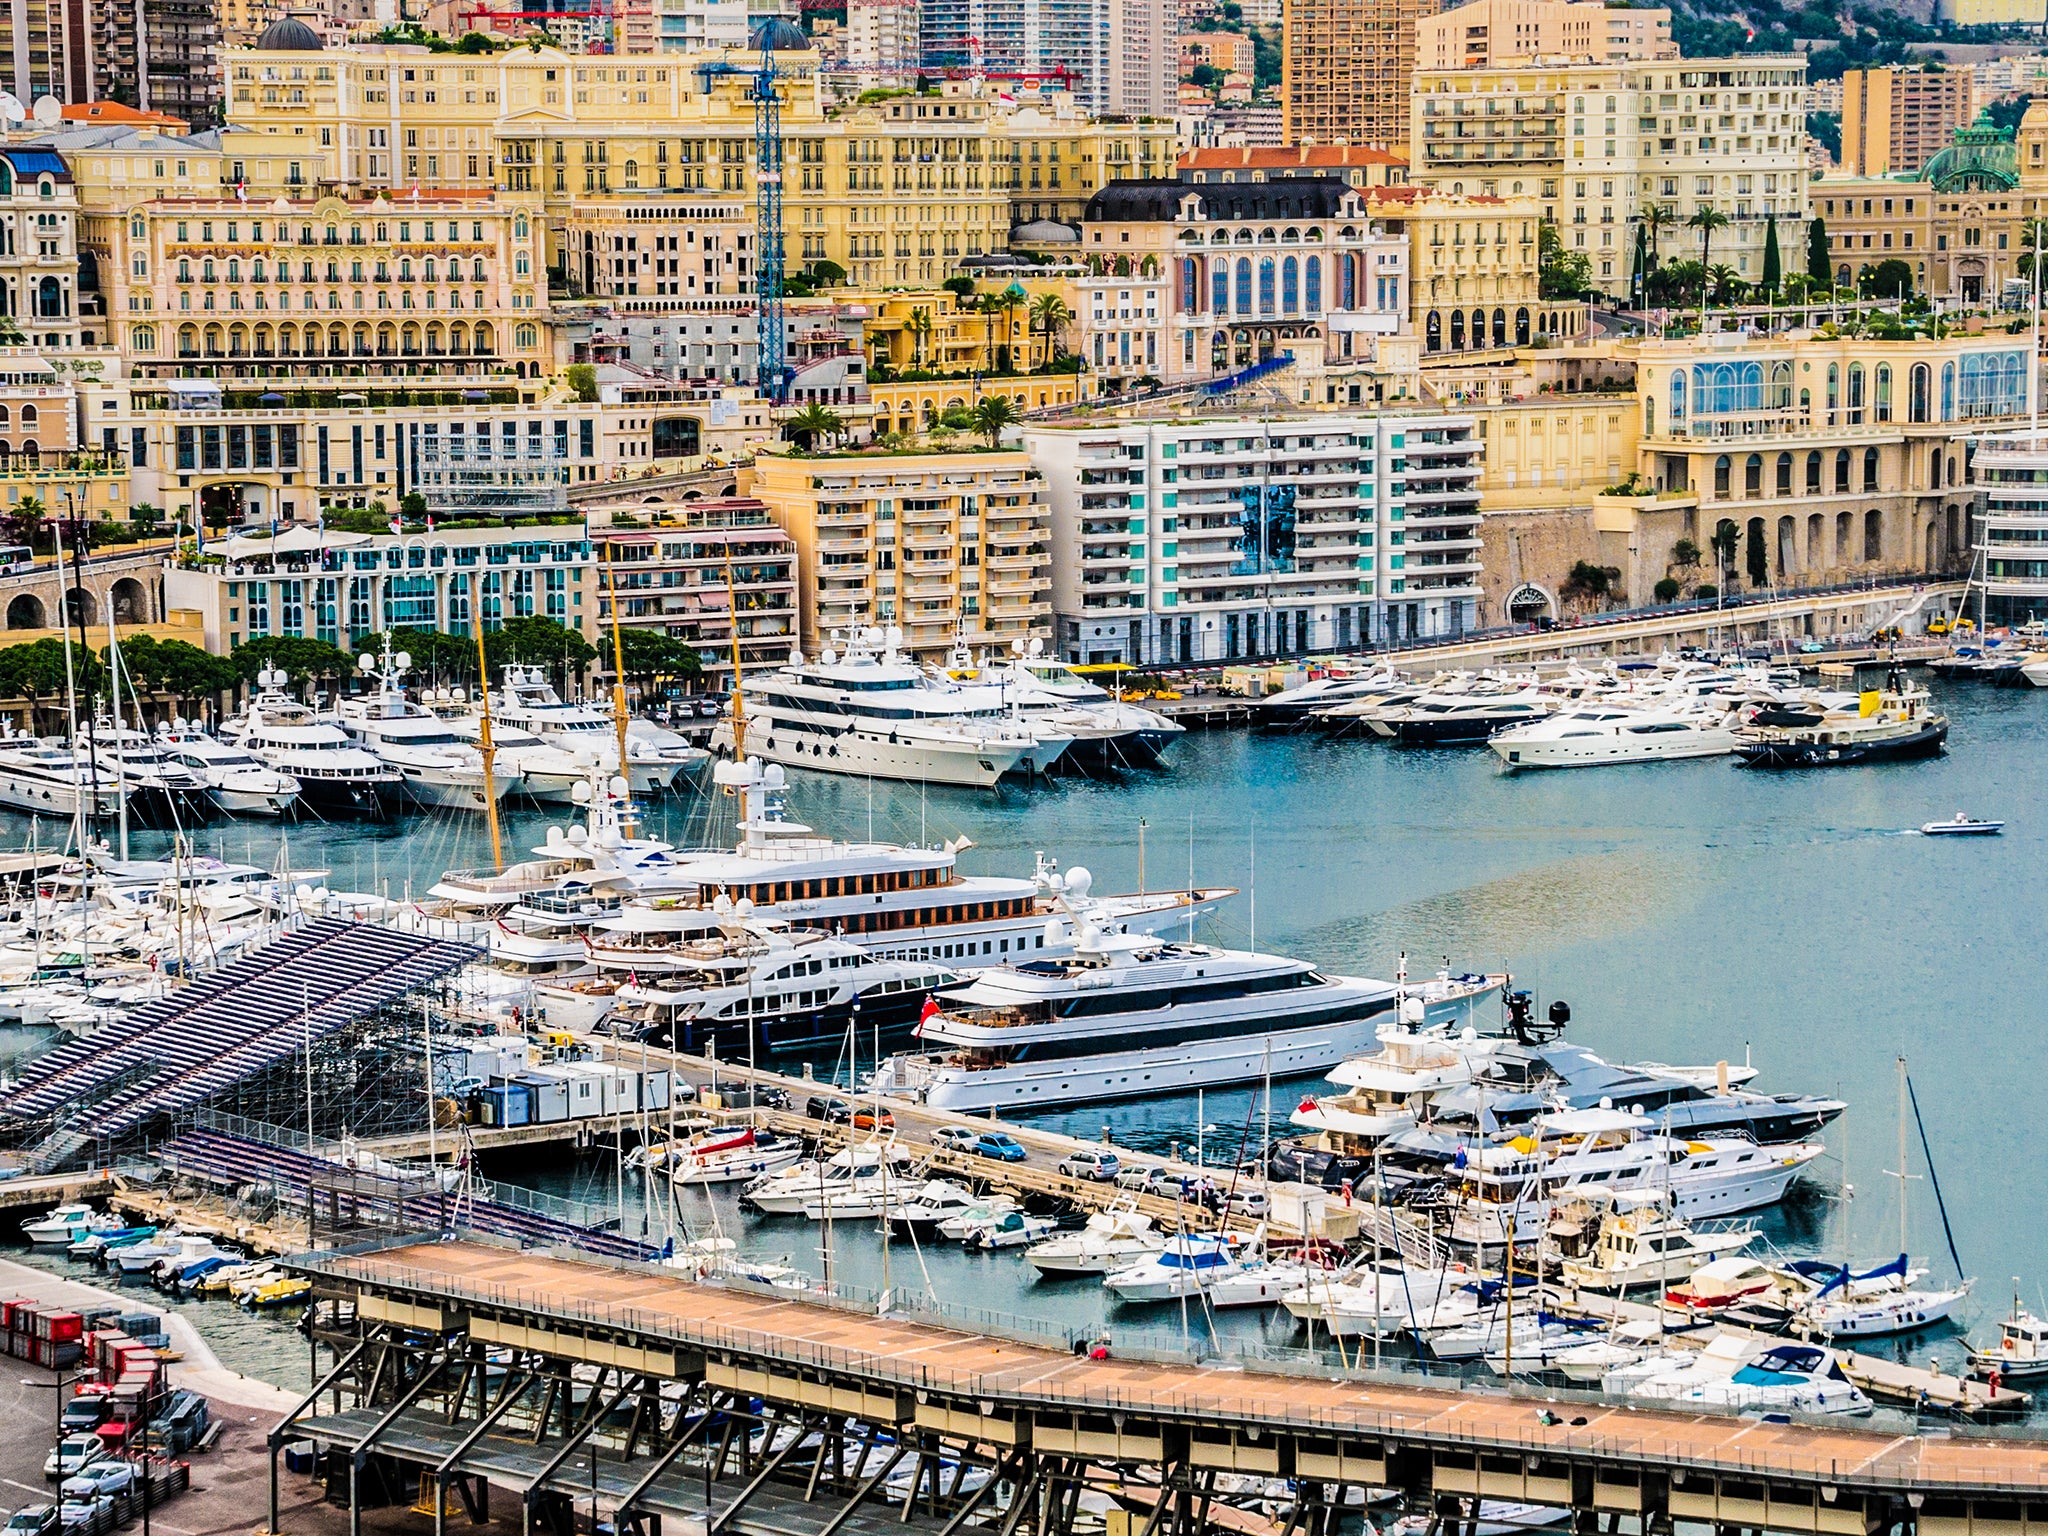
(926, 1014)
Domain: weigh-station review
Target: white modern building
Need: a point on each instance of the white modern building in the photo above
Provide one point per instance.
(2012, 527)
(1203, 541)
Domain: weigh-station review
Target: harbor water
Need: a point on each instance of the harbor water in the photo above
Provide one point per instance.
(1688, 912)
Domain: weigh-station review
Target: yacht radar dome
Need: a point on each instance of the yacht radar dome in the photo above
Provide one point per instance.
(366, 662)
(1079, 881)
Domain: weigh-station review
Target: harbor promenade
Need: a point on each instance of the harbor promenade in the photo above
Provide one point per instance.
(1042, 1420)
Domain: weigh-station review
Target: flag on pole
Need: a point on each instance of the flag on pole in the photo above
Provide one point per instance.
(926, 1014)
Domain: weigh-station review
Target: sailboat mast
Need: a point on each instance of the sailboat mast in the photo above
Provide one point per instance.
(114, 692)
(484, 743)
(739, 704)
(1903, 1248)
(611, 587)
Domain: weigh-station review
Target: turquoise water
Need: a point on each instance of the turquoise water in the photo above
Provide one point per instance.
(1688, 912)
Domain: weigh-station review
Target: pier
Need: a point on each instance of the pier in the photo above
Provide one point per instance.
(554, 1379)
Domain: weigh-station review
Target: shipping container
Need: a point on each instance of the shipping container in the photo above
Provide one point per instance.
(8, 1311)
(654, 1089)
(66, 1327)
(586, 1087)
(507, 1104)
(550, 1095)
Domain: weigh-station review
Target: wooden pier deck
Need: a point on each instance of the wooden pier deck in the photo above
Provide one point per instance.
(779, 1345)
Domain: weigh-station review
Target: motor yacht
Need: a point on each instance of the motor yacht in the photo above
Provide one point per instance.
(66, 1225)
(436, 769)
(731, 1157)
(1387, 1092)
(1598, 734)
(1892, 723)
(1104, 731)
(643, 736)
(1188, 1264)
(236, 782)
(1128, 1016)
(538, 770)
(1636, 1241)
(1506, 1191)
(157, 789)
(1010, 1229)
(1458, 719)
(1293, 706)
(1377, 1299)
(919, 1209)
(988, 1211)
(1111, 1240)
(48, 778)
(787, 1191)
(528, 702)
(2021, 1353)
(870, 712)
(335, 776)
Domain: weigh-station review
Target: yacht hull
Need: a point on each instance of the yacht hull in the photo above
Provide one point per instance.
(794, 1034)
(429, 790)
(1601, 751)
(875, 754)
(370, 799)
(1134, 1074)
(1927, 741)
(251, 802)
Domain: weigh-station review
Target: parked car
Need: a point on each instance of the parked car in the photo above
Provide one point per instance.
(72, 1455)
(84, 1413)
(1099, 1165)
(107, 1477)
(1141, 1176)
(862, 1117)
(1249, 1202)
(955, 1138)
(996, 1144)
(745, 1096)
(91, 1512)
(36, 1520)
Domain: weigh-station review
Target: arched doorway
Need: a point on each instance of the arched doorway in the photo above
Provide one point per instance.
(81, 607)
(1529, 604)
(131, 601)
(27, 612)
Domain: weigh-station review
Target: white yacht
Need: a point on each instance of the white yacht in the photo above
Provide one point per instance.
(1507, 1190)
(528, 702)
(1736, 1372)
(1636, 1241)
(1458, 719)
(159, 790)
(539, 770)
(1113, 1239)
(1871, 1303)
(335, 776)
(1378, 1299)
(47, 778)
(436, 769)
(1386, 1092)
(787, 1191)
(644, 736)
(237, 783)
(1128, 1015)
(1597, 734)
(872, 713)
(1188, 1264)
(1291, 706)
(1107, 731)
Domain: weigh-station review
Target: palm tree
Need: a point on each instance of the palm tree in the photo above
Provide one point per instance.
(1706, 221)
(919, 324)
(1655, 219)
(989, 306)
(1049, 313)
(813, 422)
(1725, 282)
(1013, 300)
(993, 416)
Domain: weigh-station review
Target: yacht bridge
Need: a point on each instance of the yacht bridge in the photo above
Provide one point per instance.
(633, 1392)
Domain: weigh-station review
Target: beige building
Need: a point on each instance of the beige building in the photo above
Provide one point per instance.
(938, 543)
(1346, 69)
(1899, 119)
(40, 299)
(1491, 32)
(1598, 143)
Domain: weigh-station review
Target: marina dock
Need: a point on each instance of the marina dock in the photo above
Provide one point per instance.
(827, 1380)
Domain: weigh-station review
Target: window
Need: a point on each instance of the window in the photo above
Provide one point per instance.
(1917, 392)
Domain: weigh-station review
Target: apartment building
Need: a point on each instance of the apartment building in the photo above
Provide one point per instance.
(1346, 69)
(1486, 33)
(942, 544)
(1202, 541)
(895, 191)
(40, 300)
(715, 573)
(1597, 144)
(1356, 165)
(1898, 119)
(157, 55)
(1189, 280)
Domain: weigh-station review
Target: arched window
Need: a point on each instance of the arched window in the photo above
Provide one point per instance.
(143, 338)
(1650, 417)
(1312, 275)
(1457, 330)
(1883, 400)
(1677, 399)
(1219, 285)
(1347, 281)
(519, 227)
(1190, 286)
(1522, 326)
(1855, 394)
(1784, 474)
(1873, 535)
(1834, 391)
(1841, 470)
(1244, 285)
(1500, 327)
(1918, 387)
(1948, 391)
(1813, 474)
(1781, 387)
(1753, 476)
(1433, 332)
(1478, 328)
(1721, 478)
(1934, 467)
(1290, 286)
(526, 337)
(1870, 469)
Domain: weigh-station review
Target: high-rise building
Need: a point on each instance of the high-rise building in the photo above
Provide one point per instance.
(882, 37)
(1899, 119)
(158, 55)
(1346, 69)
(1144, 78)
(1116, 57)
(1500, 31)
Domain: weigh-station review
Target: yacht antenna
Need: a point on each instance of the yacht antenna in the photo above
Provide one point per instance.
(611, 585)
(483, 737)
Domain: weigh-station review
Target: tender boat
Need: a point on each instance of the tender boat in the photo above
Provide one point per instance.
(1187, 1265)
(1961, 825)
(1733, 1373)
(1112, 1240)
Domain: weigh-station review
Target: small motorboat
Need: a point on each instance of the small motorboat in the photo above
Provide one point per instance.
(1016, 1229)
(1961, 825)
(66, 1225)
(2021, 1353)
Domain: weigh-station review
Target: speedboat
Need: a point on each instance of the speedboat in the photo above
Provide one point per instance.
(1597, 734)
(1013, 1229)
(66, 1225)
(1187, 1265)
(1111, 1240)
(1961, 825)
(238, 783)
(1731, 1372)
(987, 1211)
(731, 1157)
(919, 1209)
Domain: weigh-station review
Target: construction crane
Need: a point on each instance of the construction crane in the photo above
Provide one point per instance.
(771, 36)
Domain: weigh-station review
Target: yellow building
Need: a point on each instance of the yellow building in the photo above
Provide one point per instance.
(1898, 119)
(1346, 68)
(1486, 32)
(897, 191)
(938, 543)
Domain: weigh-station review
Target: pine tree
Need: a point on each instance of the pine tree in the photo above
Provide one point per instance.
(1773, 268)
(1818, 270)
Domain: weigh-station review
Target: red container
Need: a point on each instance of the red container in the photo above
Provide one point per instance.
(8, 1309)
(66, 1327)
